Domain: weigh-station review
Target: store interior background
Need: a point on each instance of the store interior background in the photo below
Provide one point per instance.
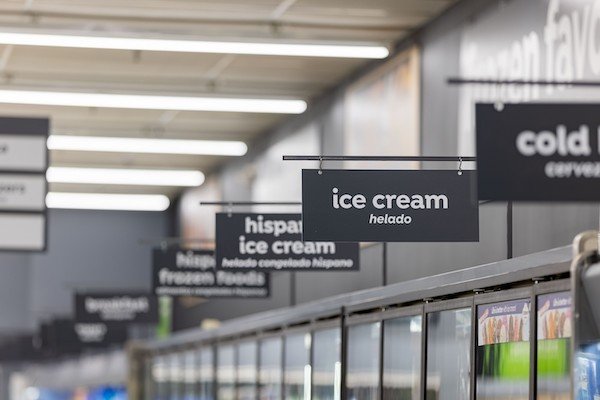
(112, 250)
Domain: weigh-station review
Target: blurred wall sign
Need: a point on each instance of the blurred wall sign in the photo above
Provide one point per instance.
(116, 308)
(539, 152)
(274, 242)
(179, 272)
(99, 334)
(555, 40)
(65, 335)
(23, 186)
(390, 206)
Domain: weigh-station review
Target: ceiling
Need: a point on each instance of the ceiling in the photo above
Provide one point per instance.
(187, 74)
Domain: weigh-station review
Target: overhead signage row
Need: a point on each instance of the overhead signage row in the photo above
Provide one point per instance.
(23, 186)
(273, 242)
(179, 272)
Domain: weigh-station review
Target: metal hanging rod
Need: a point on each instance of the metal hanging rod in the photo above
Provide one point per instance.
(175, 240)
(378, 158)
(250, 203)
(260, 203)
(466, 81)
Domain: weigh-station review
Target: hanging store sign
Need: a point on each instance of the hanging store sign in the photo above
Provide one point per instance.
(64, 335)
(99, 334)
(390, 206)
(178, 272)
(22, 192)
(503, 322)
(539, 152)
(274, 242)
(22, 153)
(116, 308)
(20, 231)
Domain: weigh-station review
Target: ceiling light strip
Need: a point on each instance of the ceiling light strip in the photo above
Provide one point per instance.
(195, 46)
(135, 177)
(145, 145)
(149, 102)
(104, 201)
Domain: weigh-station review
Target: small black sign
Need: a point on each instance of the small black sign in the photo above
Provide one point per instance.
(65, 335)
(178, 272)
(116, 308)
(539, 152)
(390, 206)
(274, 242)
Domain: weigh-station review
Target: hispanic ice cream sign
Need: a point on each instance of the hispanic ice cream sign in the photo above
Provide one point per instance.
(554, 316)
(503, 322)
(273, 242)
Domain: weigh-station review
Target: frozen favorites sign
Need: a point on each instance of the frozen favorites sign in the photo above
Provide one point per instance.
(554, 40)
(539, 152)
(274, 242)
(389, 206)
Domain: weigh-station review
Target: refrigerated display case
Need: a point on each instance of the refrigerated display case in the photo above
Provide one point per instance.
(327, 364)
(226, 374)
(247, 353)
(363, 354)
(270, 369)
(297, 369)
(463, 335)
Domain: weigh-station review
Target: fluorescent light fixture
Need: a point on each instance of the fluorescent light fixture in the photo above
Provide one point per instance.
(112, 176)
(103, 201)
(149, 102)
(143, 145)
(195, 46)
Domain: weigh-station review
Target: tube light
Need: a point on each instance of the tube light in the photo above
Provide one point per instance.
(112, 176)
(103, 201)
(195, 46)
(149, 102)
(143, 145)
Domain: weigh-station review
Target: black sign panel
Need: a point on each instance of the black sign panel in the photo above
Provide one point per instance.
(390, 206)
(274, 242)
(178, 272)
(539, 152)
(65, 335)
(116, 308)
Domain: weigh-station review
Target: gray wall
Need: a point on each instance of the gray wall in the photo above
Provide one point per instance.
(86, 250)
(15, 299)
